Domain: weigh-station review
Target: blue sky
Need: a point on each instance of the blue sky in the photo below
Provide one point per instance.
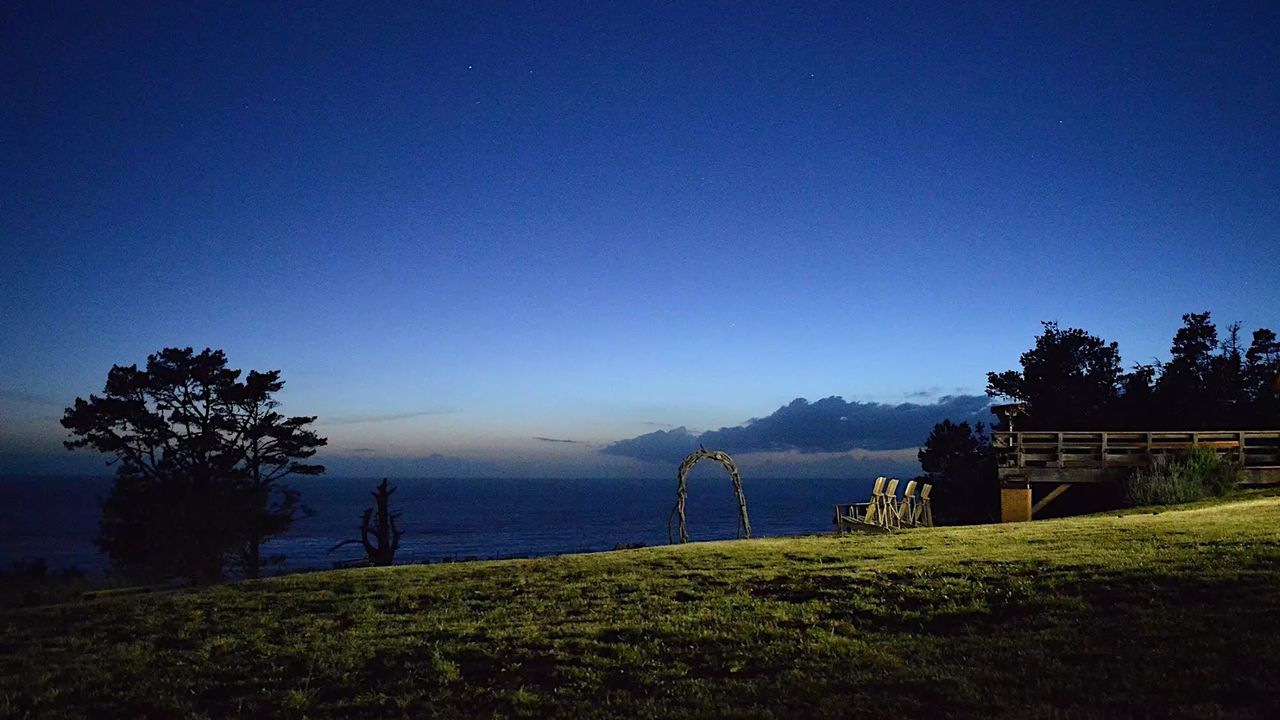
(460, 227)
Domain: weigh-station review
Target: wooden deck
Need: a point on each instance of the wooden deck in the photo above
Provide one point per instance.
(1024, 459)
(1022, 450)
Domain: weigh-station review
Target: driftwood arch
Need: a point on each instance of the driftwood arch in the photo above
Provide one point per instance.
(744, 525)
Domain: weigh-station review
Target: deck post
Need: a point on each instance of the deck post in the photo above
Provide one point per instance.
(1015, 502)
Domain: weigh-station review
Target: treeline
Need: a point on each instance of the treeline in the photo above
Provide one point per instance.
(1073, 380)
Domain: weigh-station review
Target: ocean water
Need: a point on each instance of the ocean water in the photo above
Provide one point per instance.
(451, 519)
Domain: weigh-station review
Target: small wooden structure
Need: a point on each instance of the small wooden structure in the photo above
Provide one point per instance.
(682, 491)
(1058, 460)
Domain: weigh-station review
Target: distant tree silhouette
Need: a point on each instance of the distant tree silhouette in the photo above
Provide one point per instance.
(271, 448)
(199, 455)
(1262, 379)
(1069, 380)
(1229, 380)
(1188, 387)
(1137, 405)
(958, 461)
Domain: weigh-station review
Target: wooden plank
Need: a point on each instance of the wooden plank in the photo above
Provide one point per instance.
(1053, 494)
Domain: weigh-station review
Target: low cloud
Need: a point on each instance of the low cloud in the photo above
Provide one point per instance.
(657, 446)
(387, 417)
(855, 463)
(830, 425)
(556, 440)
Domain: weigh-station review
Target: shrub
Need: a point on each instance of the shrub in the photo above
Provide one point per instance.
(1218, 475)
(1195, 473)
(1164, 483)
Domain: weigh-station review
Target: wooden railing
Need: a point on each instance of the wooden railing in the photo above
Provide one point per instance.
(1076, 449)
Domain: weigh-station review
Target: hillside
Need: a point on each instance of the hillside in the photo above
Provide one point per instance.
(1173, 613)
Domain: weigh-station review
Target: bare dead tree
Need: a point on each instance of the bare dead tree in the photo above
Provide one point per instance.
(386, 536)
(744, 525)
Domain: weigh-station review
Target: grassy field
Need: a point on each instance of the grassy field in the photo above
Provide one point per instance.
(1175, 613)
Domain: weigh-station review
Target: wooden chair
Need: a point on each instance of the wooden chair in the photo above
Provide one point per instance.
(904, 515)
(867, 516)
(924, 510)
(920, 512)
(888, 512)
(867, 512)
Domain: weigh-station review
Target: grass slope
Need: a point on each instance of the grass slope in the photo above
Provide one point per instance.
(1168, 614)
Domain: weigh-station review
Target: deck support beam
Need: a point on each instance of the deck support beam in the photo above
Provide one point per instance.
(1053, 494)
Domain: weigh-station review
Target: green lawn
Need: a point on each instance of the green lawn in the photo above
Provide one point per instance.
(1168, 614)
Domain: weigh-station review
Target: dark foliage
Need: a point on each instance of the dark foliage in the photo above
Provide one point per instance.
(1072, 380)
(1262, 378)
(1191, 383)
(958, 461)
(199, 454)
(1193, 474)
(1068, 380)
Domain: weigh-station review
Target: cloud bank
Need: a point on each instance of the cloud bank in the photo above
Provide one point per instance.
(830, 425)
